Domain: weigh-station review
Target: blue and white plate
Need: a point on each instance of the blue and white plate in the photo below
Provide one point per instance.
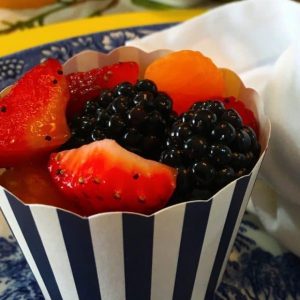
(258, 267)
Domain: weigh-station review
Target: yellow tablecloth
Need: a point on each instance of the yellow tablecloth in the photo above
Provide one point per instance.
(37, 36)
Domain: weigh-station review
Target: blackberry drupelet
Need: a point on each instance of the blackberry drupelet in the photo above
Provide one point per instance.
(210, 147)
(137, 116)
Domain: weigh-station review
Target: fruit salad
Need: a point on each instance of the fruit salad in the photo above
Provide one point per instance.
(107, 140)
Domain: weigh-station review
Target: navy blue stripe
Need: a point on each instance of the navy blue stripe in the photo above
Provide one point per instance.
(192, 237)
(138, 247)
(78, 241)
(27, 225)
(234, 209)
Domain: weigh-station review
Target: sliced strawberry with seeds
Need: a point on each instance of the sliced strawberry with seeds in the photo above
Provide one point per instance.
(85, 86)
(103, 176)
(32, 114)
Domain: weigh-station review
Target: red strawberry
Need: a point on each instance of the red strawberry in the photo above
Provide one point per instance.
(85, 86)
(103, 176)
(32, 114)
(246, 114)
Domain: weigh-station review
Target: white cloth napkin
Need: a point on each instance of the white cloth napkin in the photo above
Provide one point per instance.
(258, 40)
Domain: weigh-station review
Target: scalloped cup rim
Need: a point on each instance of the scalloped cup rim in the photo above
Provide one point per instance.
(118, 49)
(263, 120)
(161, 211)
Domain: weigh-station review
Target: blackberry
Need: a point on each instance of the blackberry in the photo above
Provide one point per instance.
(196, 146)
(172, 157)
(224, 176)
(203, 172)
(146, 99)
(154, 123)
(151, 145)
(184, 180)
(203, 121)
(208, 144)
(102, 118)
(220, 154)
(90, 107)
(210, 147)
(164, 103)
(146, 85)
(137, 116)
(132, 137)
(85, 125)
(242, 141)
(224, 132)
(187, 117)
(97, 135)
(216, 107)
(181, 132)
(124, 89)
(238, 160)
(119, 105)
(232, 117)
(115, 127)
(105, 98)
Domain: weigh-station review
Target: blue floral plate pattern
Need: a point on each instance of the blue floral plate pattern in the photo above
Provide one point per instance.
(258, 267)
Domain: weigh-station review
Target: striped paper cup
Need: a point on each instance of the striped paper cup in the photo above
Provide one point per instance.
(177, 253)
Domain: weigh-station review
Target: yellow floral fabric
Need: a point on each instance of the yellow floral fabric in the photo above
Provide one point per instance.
(22, 14)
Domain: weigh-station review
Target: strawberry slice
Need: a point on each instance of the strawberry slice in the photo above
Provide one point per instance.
(85, 86)
(103, 176)
(246, 114)
(32, 114)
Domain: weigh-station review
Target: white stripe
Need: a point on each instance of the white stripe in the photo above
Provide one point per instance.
(166, 243)
(4, 228)
(107, 238)
(240, 216)
(11, 219)
(216, 221)
(49, 229)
